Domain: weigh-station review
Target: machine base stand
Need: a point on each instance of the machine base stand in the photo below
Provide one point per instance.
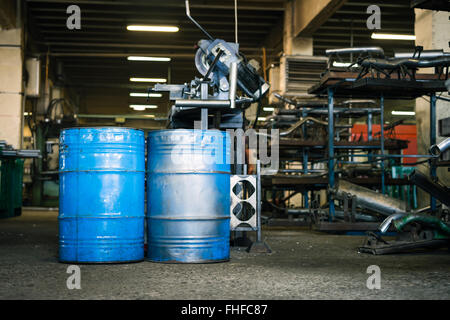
(259, 247)
(242, 241)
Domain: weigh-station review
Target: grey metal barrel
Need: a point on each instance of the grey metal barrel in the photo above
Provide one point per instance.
(188, 196)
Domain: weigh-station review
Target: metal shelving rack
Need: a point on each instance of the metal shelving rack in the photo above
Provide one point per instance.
(316, 109)
(331, 94)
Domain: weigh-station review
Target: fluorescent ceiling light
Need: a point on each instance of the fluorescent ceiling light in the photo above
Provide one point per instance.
(152, 28)
(148, 80)
(403, 113)
(142, 107)
(269, 109)
(139, 58)
(386, 36)
(343, 64)
(261, 119)
(145, 95)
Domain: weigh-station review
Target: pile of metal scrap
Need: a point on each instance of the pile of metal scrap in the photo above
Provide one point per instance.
(405, 65)
(372, 60)
(358, 208)
(416, 230)
(365, 72)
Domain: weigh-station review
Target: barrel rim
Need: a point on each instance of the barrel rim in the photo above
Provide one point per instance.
(103, 127)
(209, 261)
(153, 132)
(89, 262)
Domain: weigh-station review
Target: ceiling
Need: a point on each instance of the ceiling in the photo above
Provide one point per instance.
(349, 22)
(96, 54)
(94, 59)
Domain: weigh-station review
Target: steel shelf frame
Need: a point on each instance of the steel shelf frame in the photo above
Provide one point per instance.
(332, 147)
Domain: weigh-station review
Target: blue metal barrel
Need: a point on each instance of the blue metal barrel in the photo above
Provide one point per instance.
(101, 205)
(188, 196)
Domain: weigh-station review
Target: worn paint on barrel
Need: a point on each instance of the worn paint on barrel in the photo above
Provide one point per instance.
(188, 196)
(102, 179)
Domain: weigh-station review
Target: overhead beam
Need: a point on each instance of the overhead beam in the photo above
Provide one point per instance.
(243, 5)
(126, 21)
(129, 45)
(120, 28)
(124, 55)
(310, 15)
(265, 15)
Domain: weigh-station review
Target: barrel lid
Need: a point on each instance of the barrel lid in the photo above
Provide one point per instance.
(103, 127)
(185, 130)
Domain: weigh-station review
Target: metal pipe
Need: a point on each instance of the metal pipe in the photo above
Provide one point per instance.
(358, 216)
(235, 22)
(233, 85)
(383, 187)
(305, 161)
(126, 116)
(213, 64)
(384, 226)
(204, 111)
(370, 199)
(376, 50)
(202, 103)
(436, 190)
(433, 142)
(188, 14)
(258, 199)
(427, 54)
(331, 178)
(299, 123)
(359, 101)
(424, 219)
(437, 149)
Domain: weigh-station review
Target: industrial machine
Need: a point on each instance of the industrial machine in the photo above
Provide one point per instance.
(44, 171)
(224, 69)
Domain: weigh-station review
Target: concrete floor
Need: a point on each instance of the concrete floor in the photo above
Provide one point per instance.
(303, 265)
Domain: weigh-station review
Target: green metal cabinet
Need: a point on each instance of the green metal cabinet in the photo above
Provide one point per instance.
(11, 175)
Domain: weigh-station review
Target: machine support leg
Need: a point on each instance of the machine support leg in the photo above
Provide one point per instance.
(258, 246)
(204, 119)
(383, 187)
(204, 111)
(369, 131)
(433, 142)
(331, 152)
(258, 200)
(305, 162)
